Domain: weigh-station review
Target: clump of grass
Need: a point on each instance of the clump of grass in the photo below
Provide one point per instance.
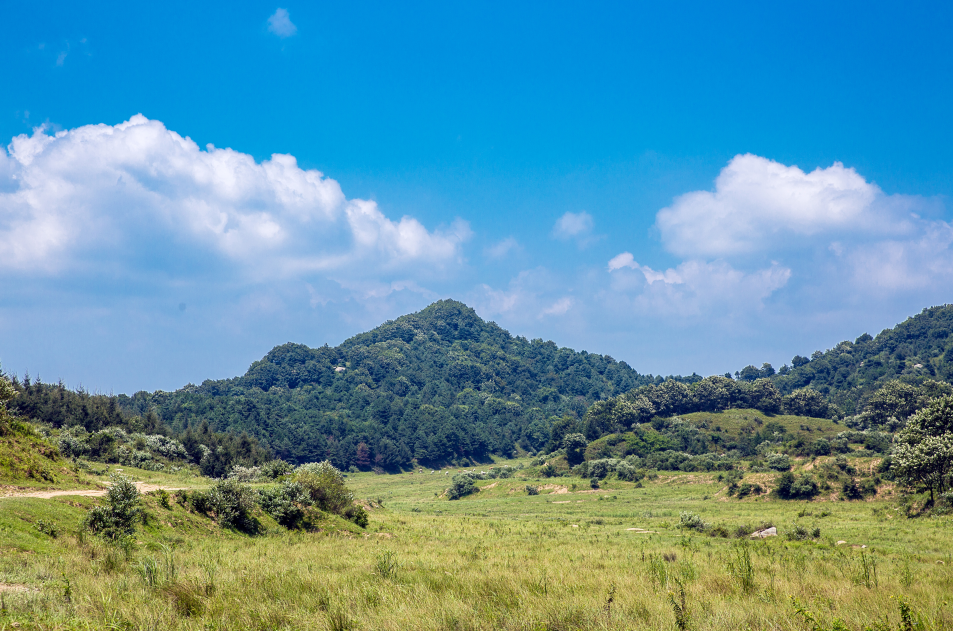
(387, 564)
(186, 599)
(658, 572)
(867, 570)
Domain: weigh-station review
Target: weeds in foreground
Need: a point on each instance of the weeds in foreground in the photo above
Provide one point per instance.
(867, 575)
(741, 568)
(908, 620)
(679, 607)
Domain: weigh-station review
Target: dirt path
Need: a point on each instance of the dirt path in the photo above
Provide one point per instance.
(143, 488)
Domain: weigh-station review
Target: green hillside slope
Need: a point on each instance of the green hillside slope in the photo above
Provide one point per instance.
(437, 385)
(915, 350)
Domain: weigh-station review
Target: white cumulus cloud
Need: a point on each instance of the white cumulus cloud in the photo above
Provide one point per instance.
(138, 195)
(281, 25)
(760, 205)
(691, 288)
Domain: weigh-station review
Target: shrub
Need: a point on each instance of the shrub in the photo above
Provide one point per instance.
(356, 514)
(121, 511)
(791, 487)
(164, 498)
(746, 489)
(800, 533)
(626, 471)
(575, 445)
(460, 486)
(325, 484)
(547, 471)
(285, 503)
(230, 503)
(244, 474)
(778, 462)
(691, 521)
(594, 483)
(532, 490)
(274, 469)
(852, 491)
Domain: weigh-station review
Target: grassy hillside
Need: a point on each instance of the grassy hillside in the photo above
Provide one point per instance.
(27, 460)
(568, 558)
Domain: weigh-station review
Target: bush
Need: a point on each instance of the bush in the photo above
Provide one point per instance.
(547, 471)
(461, 485)
(532, 490)
(800, 533)
(850, 490)
(575, 445)
(625, 471)
(274, 469)
(356, 514)
(791, 487)
(285, 503)
(746, 489)
(121, 511)
(601, 468)
(691, 521)
(594, 483)
(325, 485)
(230, 503)
(244, 474)
(778, 462)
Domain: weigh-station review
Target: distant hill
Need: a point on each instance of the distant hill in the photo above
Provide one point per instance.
(437, 385)
(917, 349)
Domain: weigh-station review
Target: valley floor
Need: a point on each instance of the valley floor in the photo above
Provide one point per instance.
(568, 558)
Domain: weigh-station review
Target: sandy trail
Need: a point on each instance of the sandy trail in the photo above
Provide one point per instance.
(143, 488)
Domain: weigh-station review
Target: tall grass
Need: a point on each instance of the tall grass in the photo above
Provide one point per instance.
(494, 560)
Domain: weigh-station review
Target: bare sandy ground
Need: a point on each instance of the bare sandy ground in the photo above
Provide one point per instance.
(143, 488)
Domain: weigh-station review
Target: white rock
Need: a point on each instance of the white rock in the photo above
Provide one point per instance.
(767, 532)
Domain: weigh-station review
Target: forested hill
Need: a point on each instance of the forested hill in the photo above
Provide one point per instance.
(436, 385)
(917, 349)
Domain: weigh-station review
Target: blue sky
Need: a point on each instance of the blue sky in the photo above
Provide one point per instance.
(687, 187)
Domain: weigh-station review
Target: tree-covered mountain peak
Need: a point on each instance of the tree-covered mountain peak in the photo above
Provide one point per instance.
(446, 321)
(438, 384)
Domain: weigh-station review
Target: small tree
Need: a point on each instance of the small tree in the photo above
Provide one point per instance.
(575, 445)
(118, 516)
(923, 450)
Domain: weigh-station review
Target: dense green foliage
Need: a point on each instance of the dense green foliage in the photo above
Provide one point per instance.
(437, 386)
(917, 349)
(443, 386)
(96, 426)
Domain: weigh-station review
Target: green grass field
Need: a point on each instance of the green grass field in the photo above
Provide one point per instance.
(567, 558)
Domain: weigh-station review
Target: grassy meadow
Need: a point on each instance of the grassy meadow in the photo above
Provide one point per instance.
(569, 557)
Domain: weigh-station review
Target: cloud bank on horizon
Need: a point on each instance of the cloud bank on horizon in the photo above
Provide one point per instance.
(830, 223)
(117, 199)
(140, 206)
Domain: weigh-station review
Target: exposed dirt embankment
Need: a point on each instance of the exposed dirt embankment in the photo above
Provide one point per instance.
(12, 491)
